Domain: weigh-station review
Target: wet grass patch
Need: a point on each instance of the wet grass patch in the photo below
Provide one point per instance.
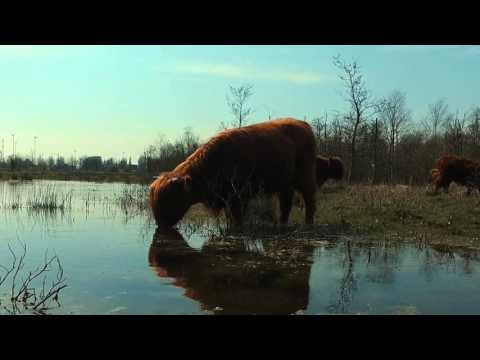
(377, 212)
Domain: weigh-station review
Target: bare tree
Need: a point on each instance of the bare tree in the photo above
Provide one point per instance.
(455, 133)
(337, 136)
(359, 100)
(237, 101)
(189, 140)
(375, 152)
(437, 114)
(319, 125)
(395, 116)
(474, 129)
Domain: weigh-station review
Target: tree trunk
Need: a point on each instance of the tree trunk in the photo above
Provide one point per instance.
(375, 140)
(352, 152)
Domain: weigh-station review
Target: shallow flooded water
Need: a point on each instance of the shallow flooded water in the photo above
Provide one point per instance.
(116, 262)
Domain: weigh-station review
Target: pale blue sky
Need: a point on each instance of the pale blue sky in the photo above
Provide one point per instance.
(109, 100)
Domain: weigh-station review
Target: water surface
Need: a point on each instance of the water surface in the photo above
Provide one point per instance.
(116, 262)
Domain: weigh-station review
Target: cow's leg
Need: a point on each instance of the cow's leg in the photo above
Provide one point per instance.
(309, 199)
(268, 212)
(286, 200)
(236, 211)
(307, 185)
(444, 184)
(307, 188)
(469, 184)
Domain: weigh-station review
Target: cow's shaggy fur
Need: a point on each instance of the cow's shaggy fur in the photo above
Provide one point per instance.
(455, 169)
(275, 157)
(329, 168)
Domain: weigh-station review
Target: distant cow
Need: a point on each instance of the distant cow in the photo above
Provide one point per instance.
(329, 168)
(326, 168)
(456, 169)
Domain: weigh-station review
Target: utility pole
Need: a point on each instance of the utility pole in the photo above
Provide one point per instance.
(325, 134)
(34, 149)
(375, 152)
(13, 151)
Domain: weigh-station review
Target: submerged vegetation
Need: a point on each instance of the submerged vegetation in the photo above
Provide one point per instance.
(57, 197)
(369, 210)
(133, 198)
(47, 197)
(30, 291)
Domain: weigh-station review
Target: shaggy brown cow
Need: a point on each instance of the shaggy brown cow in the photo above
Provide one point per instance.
(455, 169)
(329, 168)
(434, 173)
(277, 157)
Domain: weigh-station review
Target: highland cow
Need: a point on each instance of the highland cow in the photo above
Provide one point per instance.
(275, 157)
(455, 169)
(329, 168)
(434, 174)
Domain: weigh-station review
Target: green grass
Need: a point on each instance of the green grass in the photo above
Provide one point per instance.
(403, 211)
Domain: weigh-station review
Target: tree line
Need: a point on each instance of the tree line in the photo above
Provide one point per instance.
(59, 163)
(390, 148)
(377, 138)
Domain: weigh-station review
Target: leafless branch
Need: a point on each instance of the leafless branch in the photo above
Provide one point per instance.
(25, 293)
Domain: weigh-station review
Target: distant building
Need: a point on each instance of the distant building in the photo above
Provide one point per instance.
(92, 163)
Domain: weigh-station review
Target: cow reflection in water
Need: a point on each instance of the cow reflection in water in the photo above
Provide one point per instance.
(241, 277)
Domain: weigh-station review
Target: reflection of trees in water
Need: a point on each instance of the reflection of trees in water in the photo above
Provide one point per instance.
(429, 265)
(468, 258)
(44, 220)
(50, 221)
(443, 256)
(245, 276)
(379, 259)
(348, 282)
(238, 275)
(384, 258)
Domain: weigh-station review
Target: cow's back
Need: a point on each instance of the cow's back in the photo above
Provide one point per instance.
(271, 153)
